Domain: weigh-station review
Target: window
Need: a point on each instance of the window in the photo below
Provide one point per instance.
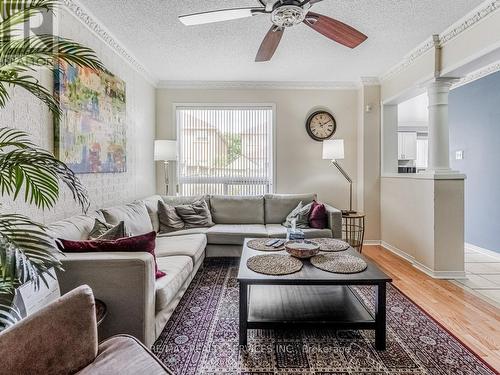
(225, 149)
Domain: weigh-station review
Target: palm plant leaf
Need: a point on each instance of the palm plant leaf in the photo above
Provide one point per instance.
(45, 50)
(18, 55)
(30, 169)
(16, 12)
(10, 137)
(9, 314)
(37, 170)
(28, 250)
(32, 85)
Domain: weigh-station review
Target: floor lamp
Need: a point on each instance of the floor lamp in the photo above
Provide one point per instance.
(333, 150)
(165, 150)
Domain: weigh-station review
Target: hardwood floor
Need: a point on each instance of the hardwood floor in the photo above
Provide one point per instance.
(475, 322)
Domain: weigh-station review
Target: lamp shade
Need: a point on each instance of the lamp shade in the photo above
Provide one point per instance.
(333, 149)
(165, 150)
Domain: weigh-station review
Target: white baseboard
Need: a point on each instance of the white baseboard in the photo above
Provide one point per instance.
(428, 271)
(372, 243)
(481, 250)
(400, 253)
(446, 275)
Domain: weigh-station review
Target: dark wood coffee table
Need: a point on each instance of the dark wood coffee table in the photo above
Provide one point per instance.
(310, 296)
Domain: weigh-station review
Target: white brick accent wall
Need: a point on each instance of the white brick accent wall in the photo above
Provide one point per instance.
(27, 113)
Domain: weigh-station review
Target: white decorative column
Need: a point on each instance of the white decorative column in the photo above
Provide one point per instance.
(439, 132)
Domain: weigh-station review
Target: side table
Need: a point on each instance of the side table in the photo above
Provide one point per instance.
(100, 311)
(353, 229)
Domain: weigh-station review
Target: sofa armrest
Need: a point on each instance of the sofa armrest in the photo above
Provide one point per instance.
(125, 282)
(334, 220)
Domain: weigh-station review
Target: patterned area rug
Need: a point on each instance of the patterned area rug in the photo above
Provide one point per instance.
(202, 338)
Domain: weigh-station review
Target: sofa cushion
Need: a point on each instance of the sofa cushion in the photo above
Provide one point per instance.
(174, 200)
(178, 269)
(144, 242)
(191, 245)
(278, 206)
(135, 215)
(301, 216)
(184, 232)
(152, 207)
(105, 231)
(75, 228)
(237, 209)
(195, 215)
(234, 234)
(170, 220)
(124, 355)
(279, 231)
(318, 218)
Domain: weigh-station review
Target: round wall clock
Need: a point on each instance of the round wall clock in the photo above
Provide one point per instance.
(321, 125)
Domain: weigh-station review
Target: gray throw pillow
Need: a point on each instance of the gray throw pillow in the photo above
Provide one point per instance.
(301, 214)
(135, 215)
(195, 215)
(169, 220)
(105, 231)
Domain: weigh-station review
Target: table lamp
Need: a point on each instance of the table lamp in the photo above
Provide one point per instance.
(165, 150)
(333, 150)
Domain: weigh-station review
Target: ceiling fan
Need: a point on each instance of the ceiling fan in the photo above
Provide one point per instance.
(284, 13)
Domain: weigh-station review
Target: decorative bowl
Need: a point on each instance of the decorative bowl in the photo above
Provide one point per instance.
(302, 249)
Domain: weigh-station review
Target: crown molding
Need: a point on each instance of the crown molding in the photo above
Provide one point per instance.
(471, 19)
(410, 58)
(257, 85)
(478, 74)
(95, 26)
(370, 81)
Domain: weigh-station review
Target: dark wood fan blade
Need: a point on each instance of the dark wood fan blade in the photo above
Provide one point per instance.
(335, 30)
(269, 44)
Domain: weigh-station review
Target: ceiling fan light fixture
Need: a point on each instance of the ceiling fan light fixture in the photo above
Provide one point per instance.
(288, 15)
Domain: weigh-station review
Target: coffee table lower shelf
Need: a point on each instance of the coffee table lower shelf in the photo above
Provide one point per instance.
(275, 306)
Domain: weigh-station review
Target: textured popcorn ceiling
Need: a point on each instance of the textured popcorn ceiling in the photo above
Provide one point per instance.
(226, 51)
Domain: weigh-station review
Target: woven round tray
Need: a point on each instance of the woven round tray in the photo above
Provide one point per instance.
(274, 264)
(331, 244)
(339, 263)
(260, 244)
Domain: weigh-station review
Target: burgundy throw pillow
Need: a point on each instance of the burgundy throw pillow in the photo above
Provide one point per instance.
(144, 242)
(317, 216)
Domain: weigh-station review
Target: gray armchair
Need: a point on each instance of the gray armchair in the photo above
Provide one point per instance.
(61, 338)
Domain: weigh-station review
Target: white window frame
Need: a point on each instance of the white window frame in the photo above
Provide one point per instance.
(272, 106)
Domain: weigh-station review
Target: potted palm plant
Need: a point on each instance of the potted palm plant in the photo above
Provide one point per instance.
(28, 172)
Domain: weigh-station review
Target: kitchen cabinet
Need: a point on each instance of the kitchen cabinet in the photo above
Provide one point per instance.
(407, 145)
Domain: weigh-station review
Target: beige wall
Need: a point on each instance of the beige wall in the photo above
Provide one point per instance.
(27, 113)
(423, 220)
(407, 215)
(369, 160)
(299, 166)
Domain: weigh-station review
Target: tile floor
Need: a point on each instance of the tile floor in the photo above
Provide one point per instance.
(483, 275)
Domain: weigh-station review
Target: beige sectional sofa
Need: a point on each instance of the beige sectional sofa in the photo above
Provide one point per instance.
(138, 304)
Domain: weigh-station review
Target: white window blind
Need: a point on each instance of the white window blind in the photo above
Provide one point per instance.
(225, 150)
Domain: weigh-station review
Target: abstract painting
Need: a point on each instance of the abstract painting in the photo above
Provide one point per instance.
(90, 137)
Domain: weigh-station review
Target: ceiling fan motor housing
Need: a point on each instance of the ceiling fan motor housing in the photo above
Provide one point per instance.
(288, 13)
